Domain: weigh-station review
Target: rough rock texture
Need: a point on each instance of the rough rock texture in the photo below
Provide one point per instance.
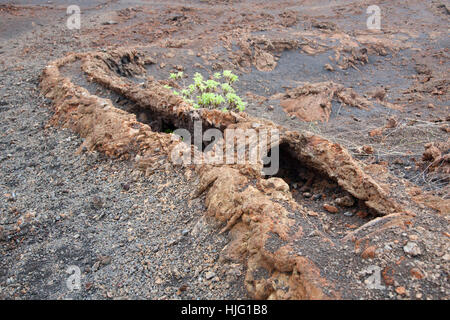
(438, 156)
(312, 101)
(59, 207)
(237, 195)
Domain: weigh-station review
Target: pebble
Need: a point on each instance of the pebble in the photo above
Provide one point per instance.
(13, 197)
(345, 201)
(317, 197)
(412, 249)
(416, 273)
(108, 23)
(400, 290)
(328, 67)
(330, 208)
(369, 253)
(209, 275)
(105, 260)
(97, 202)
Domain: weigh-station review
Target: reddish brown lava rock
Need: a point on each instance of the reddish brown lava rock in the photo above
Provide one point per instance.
(400, 290)
(312, 101)
(369, 253)
(388, 276)
(255, 210)
(431, 152)
(330, 208)
(416, 273)
(376, 132)
(368, 149)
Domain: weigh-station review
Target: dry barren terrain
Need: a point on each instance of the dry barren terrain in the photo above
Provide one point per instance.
(357, 210)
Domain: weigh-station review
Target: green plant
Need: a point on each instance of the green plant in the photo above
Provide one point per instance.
(176, 76)
(211, 93)
(231, 78)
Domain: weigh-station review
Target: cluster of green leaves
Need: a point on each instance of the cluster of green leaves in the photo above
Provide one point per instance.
(216, 93)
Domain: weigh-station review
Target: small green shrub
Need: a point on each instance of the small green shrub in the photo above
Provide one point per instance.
(210, 94)
(176, 76)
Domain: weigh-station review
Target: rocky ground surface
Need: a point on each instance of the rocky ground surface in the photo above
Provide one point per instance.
(146, 237)
(131, 236)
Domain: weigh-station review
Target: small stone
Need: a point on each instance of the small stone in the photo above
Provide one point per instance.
(348, 214)
(400, 290)
(185, 232)
(330, 208)
(391, 123)
(416, 273)
(96, 266)
(379, 94)
(413, 237)
(104, 260)
(108, 23)
(317, 197)
(376, 132)
(181, 289)
(126, 186)
(97, 202)
(367, 149)
(209, 275)
(307, 195)
(369, 253)
(328, 67)
(362, 214)
(12, 197)
(345, 201)
(412, 249)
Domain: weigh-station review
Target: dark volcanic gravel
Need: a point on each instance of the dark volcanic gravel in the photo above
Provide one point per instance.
(131, 236)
